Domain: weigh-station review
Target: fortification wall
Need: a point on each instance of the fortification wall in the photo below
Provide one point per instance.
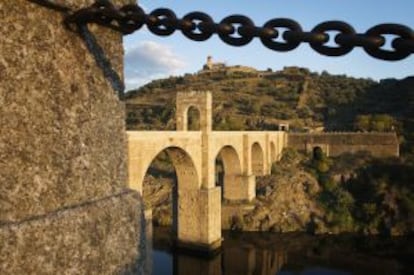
(336, 143)
(62, 147)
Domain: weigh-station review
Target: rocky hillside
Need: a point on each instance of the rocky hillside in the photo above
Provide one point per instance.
(285, 202)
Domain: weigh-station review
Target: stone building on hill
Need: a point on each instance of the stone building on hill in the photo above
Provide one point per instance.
(220, 67)
(211, 66)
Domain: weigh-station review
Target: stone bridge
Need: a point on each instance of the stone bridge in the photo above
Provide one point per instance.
(244, 155)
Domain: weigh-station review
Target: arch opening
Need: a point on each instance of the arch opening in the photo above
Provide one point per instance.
(193, 119)
(317, 153)
(170, 173)
(228, 172)
(257, 160)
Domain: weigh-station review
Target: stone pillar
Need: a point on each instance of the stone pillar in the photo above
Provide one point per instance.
(239, 187)
(136, 172)
(248, 179)
(199, 219)
(249, 186)
(247, 157)
(199, 210)
(232, 187)
(64, 202)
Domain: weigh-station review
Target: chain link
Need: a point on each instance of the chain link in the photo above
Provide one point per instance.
(400, 44)
(279, 34)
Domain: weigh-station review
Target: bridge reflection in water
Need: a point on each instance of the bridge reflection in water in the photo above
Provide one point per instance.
(234, 260)
(286, 254)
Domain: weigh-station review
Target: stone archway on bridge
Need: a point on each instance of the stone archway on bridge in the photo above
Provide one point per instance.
(257, 161)
(192, 117)
(186, 182)
(202, 101)
(230, 178)
(314, 147)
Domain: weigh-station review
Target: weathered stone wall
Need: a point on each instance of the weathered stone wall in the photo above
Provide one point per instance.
(64, 203)
(334, 144)
(62, 133)
(101, 237)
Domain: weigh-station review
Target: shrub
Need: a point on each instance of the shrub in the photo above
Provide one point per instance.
(289, 155)
(274, 168)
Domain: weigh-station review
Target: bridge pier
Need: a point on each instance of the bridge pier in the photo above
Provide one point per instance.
(199, 219)
(239, 187)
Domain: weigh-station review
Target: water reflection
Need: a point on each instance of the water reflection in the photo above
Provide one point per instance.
(262, 254)
(247, 259)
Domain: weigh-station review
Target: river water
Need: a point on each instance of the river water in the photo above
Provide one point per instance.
(286, 254)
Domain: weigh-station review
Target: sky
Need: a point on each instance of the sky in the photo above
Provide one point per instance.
(148, 56)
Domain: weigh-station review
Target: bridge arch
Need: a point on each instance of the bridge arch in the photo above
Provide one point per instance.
(257, 160)
(317, 152)
(231, 160)
(185, 169)
(230, 179)
(183, 211)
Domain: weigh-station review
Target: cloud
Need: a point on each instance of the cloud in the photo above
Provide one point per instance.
(148, 60)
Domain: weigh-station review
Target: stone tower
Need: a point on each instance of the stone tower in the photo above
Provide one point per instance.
(202, 101)
(209, 64)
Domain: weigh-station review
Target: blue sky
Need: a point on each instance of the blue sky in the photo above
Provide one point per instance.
(150, 57)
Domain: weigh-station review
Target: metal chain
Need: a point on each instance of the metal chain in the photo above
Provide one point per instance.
(239, 30)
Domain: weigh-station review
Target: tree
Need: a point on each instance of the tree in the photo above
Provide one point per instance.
(318, 153)
(362, 123)
(382, 123)
(377, 122)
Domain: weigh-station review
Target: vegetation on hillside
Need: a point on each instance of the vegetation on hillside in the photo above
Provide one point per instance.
(247, 101)
(363, 194)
